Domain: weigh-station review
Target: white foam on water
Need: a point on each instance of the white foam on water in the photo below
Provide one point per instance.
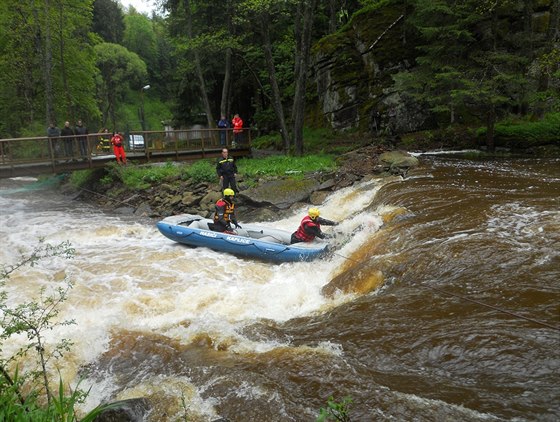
(128, 277)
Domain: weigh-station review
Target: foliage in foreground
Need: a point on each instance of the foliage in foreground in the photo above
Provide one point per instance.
(335, 411)
(28, 396)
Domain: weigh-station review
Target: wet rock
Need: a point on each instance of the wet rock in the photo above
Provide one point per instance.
(175, 199)
(208, 201)
(259, 214)
(190, 198)
(281, 193)
(143, 210)
(398, 162)
(318, 197)
(329, 184)
(125, 210)
(131, 410)
(360, 279)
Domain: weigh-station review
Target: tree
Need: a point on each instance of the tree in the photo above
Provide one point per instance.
(21, 398)
(34, 317)
(467, 59)
(47, 63)
(108, 20)
(261, 14)
(139, 37)
(226, 86)
(303, 29)
(119, 70)
(75, 59)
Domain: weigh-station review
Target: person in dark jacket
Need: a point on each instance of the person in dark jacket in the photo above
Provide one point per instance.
(310, 227)
(53, 133)
(225, 213)
(81, 136)
(67, 134)
(223, 124)
(227, 171)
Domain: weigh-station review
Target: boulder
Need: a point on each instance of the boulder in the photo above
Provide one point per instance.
(208, 201)
(281, 193)
(318, 197)
(401, 159)
(189, 199)
(143, 210)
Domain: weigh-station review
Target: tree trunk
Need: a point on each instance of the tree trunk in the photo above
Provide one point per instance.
(490, 122)
(226, 87)
(198, 67)
(49, 97)
(332, 16)
(69, 103)
(301, 64)
(276, 98)
(553, 30)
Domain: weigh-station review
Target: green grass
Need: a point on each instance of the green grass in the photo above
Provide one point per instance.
(142, 177)
(281, 165)
(80, 178)
(525, 133)
(315, 140)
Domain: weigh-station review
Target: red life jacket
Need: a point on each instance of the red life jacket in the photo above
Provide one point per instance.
(228, 210)
(117, 140)
(237, 125)
(300, 232)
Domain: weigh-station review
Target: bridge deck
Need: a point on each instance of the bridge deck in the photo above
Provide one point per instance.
(36, 156)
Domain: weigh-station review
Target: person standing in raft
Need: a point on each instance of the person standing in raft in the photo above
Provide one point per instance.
(310, 227)
(227, 171)
(225, 214)
(118, 148)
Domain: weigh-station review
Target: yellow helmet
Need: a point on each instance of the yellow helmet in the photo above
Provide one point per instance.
(229, 192)
(313, 213)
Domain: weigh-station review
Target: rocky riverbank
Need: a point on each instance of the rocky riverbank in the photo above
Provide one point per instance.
(266, 201)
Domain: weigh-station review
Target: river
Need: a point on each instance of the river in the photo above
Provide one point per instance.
(463, 327)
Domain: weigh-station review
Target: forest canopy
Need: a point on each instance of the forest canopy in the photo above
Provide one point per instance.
(401, 65)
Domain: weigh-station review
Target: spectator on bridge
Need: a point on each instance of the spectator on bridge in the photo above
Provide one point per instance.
(227, 171)
(104, 144)
(223, 124)
(81, 136)
(67, 134)
(118, 147)
(53, 133)
(237, 130)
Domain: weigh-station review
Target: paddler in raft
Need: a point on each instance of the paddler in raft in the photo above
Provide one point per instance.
(225, 214)
(310, 227)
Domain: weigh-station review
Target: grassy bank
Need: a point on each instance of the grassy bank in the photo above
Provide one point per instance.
(143, 176)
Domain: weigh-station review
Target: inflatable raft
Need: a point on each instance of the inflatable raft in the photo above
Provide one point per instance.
(251, 241)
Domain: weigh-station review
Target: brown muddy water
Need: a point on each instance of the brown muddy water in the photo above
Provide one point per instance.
(446, 306)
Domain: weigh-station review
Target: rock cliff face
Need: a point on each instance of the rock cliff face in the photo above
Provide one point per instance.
(353, 67)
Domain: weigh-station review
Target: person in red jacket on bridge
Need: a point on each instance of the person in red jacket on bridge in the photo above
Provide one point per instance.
(237, 124)
(118, 147)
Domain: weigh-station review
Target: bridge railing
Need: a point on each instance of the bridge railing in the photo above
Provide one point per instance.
(86, 147)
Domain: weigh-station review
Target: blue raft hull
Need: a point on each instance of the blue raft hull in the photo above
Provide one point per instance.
(251, 241)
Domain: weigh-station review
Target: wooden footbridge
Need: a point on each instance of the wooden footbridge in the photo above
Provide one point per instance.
(43, 155)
